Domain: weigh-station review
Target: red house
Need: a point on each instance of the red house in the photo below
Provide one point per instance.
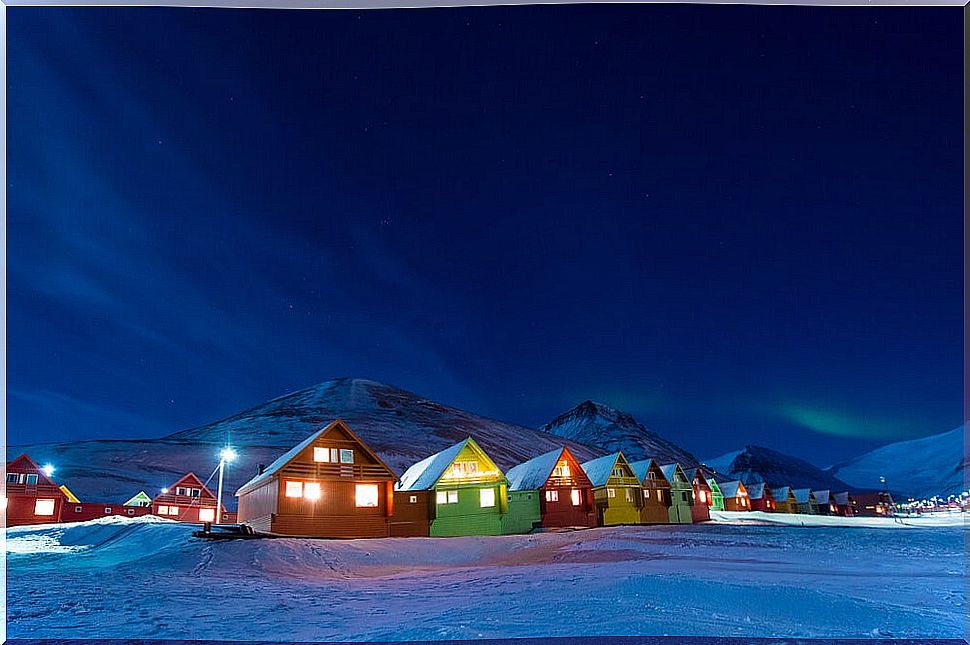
(761, 497)
(188, 500)
(564, 491)
(32, 497)
(701, 510)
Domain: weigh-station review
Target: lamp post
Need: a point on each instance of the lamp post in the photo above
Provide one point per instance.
(226, 455)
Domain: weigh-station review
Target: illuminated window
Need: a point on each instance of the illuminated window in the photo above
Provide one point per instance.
(207, 515)
(294, 489)
(646, 493)
(44, 507)
(31, 478)
(173, 510)
(452, 497)
(611, 492)
(321, 454)
(562, 470)
(464, 469)
(413, 499)
(441, 497)
(366, 495)
(577, 497)
(334, 455)
(487, 497)
(552, 495)
(703, 496)
(162, 510)
(311, 490)
(346, 456)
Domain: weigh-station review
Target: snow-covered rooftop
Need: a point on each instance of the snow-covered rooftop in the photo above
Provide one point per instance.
(532, 474)
(756, 490)
(730, 489)
(802, 495)
(640, 468)
(424, 474)
(598, 470)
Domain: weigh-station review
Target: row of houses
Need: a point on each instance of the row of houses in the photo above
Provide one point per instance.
(333, 485)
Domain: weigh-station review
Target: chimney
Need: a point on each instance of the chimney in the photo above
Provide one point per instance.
(260, 469)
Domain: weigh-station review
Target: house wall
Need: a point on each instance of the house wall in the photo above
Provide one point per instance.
(412, 514)
(335, 514)
(788, 505)
(699, 510)
(467, 516)
(563, 513)
(656, 500)
(81, 512)
(257, 506)
(22, 504)
(523, 512)
(681, 497)
(765, 504)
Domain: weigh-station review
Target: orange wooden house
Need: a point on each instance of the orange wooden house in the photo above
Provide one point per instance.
(329, 485)
(656, 492)
(701, 510)
(32, 497)
(189, 500)
(735, 496)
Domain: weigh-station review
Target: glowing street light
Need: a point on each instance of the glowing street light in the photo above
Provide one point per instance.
(226, 455)
(48, 469)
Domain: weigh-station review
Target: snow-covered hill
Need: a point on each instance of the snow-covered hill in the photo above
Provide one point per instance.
(935, 465)
(756, 464)
(400, 426)
(610, 429)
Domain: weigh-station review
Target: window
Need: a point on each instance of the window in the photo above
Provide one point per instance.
(321, 454)
(629, 494)
(31, 479)
(552, 495)
(12, 478)
(334, 455)
(346, 456)
(646, 493)
(207, 514)
(294, 489)
(703, 496)
(683, 496)
(78, 509)
(173, 510)
(162, 510)
(196, 492)
(561, 470)
(441, 497)
(651, 474)
(577, 497)
(618, 472)
(44, 507)
(487, 497)
(131, 511)
(464, 469)
(413, 499)
(179, 490)
(611, 492)
(452, 497)
(509, 497)
(107, 510)
(366, 495)
(311, 490)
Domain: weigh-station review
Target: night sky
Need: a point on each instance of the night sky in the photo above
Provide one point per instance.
(741, 224)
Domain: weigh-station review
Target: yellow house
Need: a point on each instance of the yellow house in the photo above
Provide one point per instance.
(616, 490)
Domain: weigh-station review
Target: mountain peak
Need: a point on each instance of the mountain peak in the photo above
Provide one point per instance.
(756, 464)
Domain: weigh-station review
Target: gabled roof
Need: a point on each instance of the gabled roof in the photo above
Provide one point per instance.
(842, 499)
(292, 453)
(191, 480)
(533, 474)
(641, 467)
(426, 473)
(599, 470)
(715, 488)
(758, 490)
(782, 493)
(731, 489)
(697, 475)
(802, 495)
(822, 496)
(31, 465)
(670, 469)
(142, 496)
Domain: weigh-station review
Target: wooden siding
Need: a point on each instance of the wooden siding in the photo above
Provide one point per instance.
(259, 504)
(563, 513)
(523, 513)
(467, 516)
(699, 510)
(83, 511)
(22, 496)
(655, 504)
(412, 515)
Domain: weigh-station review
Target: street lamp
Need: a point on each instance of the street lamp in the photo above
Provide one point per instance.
(226, 455)
(48, 469)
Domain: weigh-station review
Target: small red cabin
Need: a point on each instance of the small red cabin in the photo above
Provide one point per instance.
(761, 498)
(32, 497)
(701, 510)
(188, 500)
(564, 491)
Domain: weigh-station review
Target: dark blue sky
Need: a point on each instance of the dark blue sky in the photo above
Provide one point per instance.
(741, 224)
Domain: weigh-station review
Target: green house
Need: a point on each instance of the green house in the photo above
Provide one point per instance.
(616, 490)
(468, 493)
(717, 497)
(141, 499)
(681, 494)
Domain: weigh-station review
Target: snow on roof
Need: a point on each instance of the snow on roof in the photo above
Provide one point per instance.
(599, 470)
(670, 469)
(802, 495)
(756, 490)
(822, 496)
(781, 493)
(842, 499)
(730, 489)
(282, 460)
(424, 474)
(532, 474)
(640, 468)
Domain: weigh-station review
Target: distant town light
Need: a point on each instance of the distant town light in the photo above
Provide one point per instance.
(48, 469)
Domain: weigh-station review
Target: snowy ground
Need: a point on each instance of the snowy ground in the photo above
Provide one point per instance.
(147, 578)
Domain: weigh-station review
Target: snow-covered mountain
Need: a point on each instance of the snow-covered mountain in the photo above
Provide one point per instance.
(609, 429)
(921, 468)
(400, 426)
(757, 464)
